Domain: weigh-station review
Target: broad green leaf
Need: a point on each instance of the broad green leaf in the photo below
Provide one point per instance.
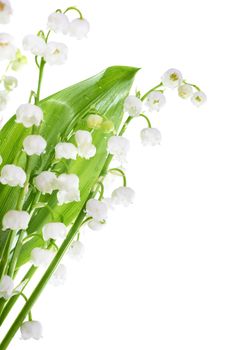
(64, 112)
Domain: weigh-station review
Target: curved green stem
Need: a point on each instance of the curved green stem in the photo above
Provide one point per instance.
(121, 172)
(73, 8)
(153, 89)
(193, 85)
(147, 119)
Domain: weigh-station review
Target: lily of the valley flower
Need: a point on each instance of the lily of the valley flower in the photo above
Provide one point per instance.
(76, 250)
(3, 100)
(68, 186)
(34, 144)
(46, 182)
(10, 83)
(12, 175)
(84, 142)
(150, 137)
(185, 91)
(65, 150)
(54, 230)
(59, 276)
(155, 101)
(58, 22)
(198, 98)
(6, 287)
(118, 146)
(172, 78)
(5, 11)
(83, 137)
(94, 121)
(31, 330)
(55, 53)
(133, 106)
(123, 196)
(41, 257)
(79, 28)
(15, 220)
(96, 225)
(7, 48)
(29, 115)
(35, 44)
(96, 209)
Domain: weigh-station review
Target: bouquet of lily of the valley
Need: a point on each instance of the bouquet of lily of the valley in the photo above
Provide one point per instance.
(55, 154)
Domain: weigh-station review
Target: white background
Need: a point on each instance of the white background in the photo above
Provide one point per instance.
(160, 276)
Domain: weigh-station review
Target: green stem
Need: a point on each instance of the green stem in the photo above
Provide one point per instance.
(147, 119)
(41, 71)
(153, 89)
(193, 85)
(73, 8)
(121, 172)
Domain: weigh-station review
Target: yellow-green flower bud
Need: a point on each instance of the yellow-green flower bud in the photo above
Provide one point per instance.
(94, 121)
(107, 126)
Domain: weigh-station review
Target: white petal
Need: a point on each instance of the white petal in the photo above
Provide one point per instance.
(34, 144)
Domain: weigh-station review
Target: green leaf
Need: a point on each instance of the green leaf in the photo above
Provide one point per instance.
(64, 112)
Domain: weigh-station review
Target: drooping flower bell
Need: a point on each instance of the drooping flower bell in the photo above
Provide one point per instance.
(31, 330)
(10, 83)
(94, 121)
(123, 196)
(35, 44)
(65, 150)
(185, 91)
(46, 182)
(29, 115)
(96, 209)
(96, 225)
(55, 53)
(6, 287)
(59, 276)
(155, 101)
(41, 257)
(12, 175)
(133, 106)
(15, 220)
(118, 146)
(5, 11)
(83, 137)
(7, 48)
(58, 22)
(172, 78)
(79, 28)
(198, 98)
(68, 186)
(150, 137)
(76, 250)
(54, 230)
(34, 144)
(84, 142)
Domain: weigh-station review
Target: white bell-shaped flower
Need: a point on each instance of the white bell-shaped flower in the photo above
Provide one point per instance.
(7, 48)
(172, 78)
(150, 137)
(96, 225)
(41, 257)
(35, 44)
(54, 230)
(133, 106)
(68, 186)
(65, 197)
(155, 101)
(86, 151)
(3, 100)
(76, 250)
(185, 91)
(15, 220)
(123, 196)
(31, 330)
(59, 276)
(58, 22)
(5, 11)
(10, 82)
(83, 137)
(6, 287)
(46, 182)
(29, 115)
(118, 146)
(34, 144)
(96, 209)
(12, 175)
(79, 28)
(65, 150)
(198, 98)
(55, 53)
(94, 121)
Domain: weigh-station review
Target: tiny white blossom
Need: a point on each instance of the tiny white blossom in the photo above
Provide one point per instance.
(41, 257)
(96, 209)
(6, 287)
(76, 250)
(58, 22)
(65, 150)
(155, 101)
(3, 100)
(150, 137)
(123, 196)
(96, 225)
(68, 186)
(65, 197)
(109, 202)
(79, 28)
(34, 144)
(15, 220)
(118, 146)
(46, 182)
(133, 106)
(29, 115)
(172, 78)
(94, 121)
(59, 276)
(35, 44)
(185, 91)
(10, 83)
(7, 48)
(83, 137)
(31, 330)
(86, 151)
(12, 175)
(54, 230)
(5, 11)
(55, 53)
(198, 98)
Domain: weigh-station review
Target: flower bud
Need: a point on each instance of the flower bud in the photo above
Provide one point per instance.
(107, 126)
(6, 287)
(34, 144)
(198, 98)
(15, 220)
(12, 175)
(94, 121)
(31, 330)
(10, 83)
(185, 91)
